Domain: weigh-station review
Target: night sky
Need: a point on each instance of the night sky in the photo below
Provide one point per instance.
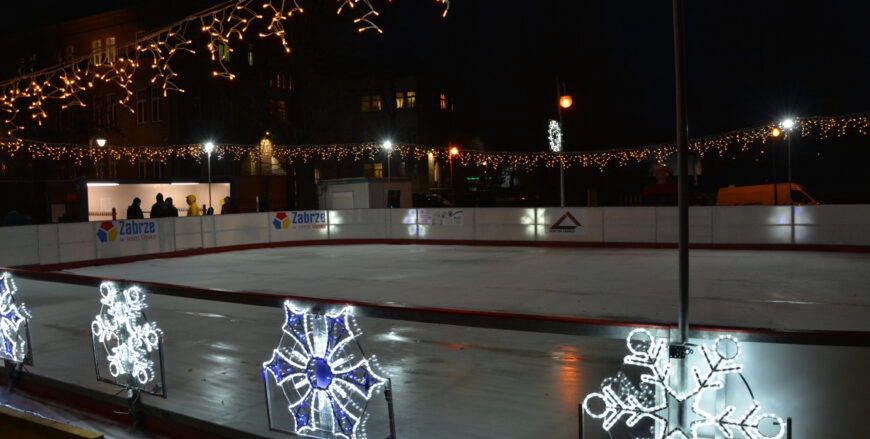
(749, 62)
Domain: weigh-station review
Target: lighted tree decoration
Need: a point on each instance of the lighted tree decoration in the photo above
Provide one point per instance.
(324, 375)
(14, 329)
(126, 343)
(644, 408)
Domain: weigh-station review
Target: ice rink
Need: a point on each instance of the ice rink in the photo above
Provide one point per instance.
(761, 289)
(454, 381)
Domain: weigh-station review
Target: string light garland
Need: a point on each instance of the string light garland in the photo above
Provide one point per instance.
(222, 24)
(650, 354)
(322, 372)
(739, 141)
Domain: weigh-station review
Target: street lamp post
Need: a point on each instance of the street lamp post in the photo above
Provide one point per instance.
(788, 125)
(453, 152)
(209, 147)
(388, 147)
(565, 102)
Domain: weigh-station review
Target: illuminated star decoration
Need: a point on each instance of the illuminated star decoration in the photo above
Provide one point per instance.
(554, 134)
(636, 404)
(127, 340)
(326, 386)
(13, 323)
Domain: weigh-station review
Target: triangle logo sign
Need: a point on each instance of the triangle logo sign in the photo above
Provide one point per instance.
(565, 224)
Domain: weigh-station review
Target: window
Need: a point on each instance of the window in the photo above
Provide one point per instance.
(377, 104)
(111, 50)
(442, 102)
(400, 100)
(410, 99)
(141, 106)
(366, 104)
(379, 170)
(98, 112)
(69, 53)
(156, 116)
(110, 110)
(281, 110)
(97, 52)
(223, 52)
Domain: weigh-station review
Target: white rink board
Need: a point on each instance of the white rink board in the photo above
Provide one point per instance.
(842, 225)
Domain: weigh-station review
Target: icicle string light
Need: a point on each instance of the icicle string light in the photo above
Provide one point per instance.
(749, 140)
(223, 24)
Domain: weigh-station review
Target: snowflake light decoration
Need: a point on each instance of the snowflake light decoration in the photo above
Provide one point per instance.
(127, 339)
(14, 332)
(651, 398)
(554, 135)
(327, 385)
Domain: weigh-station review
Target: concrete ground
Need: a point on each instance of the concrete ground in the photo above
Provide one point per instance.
(767, 289)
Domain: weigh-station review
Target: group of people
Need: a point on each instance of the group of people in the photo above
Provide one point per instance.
(165, 208)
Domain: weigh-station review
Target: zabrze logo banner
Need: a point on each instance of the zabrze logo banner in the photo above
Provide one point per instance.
(299, 220)
(123, 231)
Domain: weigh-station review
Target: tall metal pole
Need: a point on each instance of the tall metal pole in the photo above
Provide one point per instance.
(775, 180)
(388, 166)
(683, 165)
(788, 140)
(562, 128)
(209, 179)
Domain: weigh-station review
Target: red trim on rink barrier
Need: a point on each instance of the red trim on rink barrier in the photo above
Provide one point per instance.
(469, 242)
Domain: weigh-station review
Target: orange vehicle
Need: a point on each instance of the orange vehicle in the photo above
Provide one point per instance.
(763, 195)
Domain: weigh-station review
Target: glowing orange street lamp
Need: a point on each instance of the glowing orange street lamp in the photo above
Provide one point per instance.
(776, 132)
(566, 101)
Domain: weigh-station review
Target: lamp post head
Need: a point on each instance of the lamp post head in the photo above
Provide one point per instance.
(387, 145)
(776, 132)
(787, 124)
(454, 151)
(101, 142)
(208, 147)
(565, 101)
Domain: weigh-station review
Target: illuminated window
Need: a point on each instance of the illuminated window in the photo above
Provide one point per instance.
(377, 104)
(111, 50)
(410, 99)
(442, 101)
(97, 52)
(379, 170)
(141, 106)
(155, 104)
(365, 104)
(400, 100)
(223, 52)
(110, 110)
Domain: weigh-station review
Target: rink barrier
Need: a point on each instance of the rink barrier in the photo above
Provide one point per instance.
(812, 228)
(95, 404)
(553, 324)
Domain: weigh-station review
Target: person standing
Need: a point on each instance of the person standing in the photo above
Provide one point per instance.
(158, 209)
(171, 210)
(134, 211)
(192, 208)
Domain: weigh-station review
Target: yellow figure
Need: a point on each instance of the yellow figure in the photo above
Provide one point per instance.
(192, 208)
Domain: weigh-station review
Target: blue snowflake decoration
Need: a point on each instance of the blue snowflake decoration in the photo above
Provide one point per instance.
(14, 337)
(327, 384)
